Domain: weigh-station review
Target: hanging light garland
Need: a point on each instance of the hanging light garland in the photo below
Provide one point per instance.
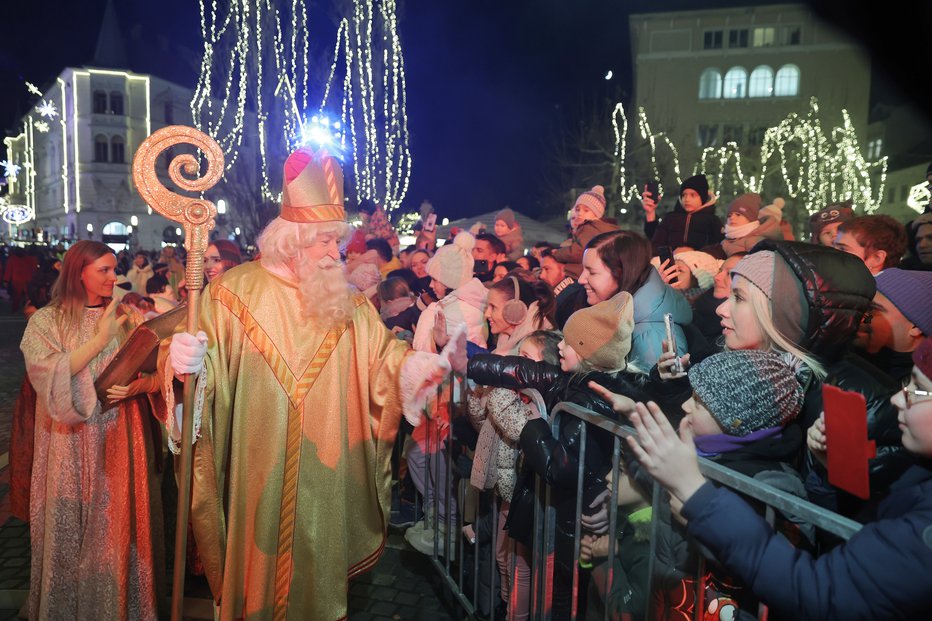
(817, 167)
(253, 85)
(373, 71)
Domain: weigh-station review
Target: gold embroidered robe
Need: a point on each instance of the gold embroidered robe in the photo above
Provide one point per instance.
(292, 471)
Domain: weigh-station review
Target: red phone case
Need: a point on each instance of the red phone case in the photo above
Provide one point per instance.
(849, 450)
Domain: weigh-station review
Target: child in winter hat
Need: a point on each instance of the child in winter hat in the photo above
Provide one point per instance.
(508, 230)
(749, 222)
(699, 184)
(599, 335)
(594, 200)
(452, 265)
(745, 392)
(824, 223)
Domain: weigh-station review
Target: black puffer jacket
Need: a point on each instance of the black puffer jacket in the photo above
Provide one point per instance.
(678, 228)
(557, 459)
(839, 289)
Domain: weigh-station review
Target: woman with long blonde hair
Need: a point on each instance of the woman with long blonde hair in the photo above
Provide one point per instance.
(95, 511)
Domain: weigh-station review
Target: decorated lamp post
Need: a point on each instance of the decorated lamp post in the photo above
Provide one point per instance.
(196, 216)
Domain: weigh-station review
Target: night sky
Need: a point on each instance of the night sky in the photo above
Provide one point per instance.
(487, 79)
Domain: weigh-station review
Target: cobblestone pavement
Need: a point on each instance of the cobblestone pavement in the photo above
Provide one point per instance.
(402, 586)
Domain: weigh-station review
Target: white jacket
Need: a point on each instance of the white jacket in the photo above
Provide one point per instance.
(465, 305)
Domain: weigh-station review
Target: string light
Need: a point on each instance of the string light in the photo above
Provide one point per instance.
(259, 65)
(817, 167)
(255, 57)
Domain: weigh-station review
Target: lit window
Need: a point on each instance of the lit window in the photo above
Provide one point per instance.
(761, 84)
(100, 102)
(764, 37)
(710, 84)
(786, 84)
(736, 82)
(101, 148)
(116, 103)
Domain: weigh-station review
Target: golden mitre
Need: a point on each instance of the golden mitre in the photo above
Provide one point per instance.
(313, 187)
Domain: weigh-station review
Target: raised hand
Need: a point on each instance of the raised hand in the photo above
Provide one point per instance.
(620, 403)
(666, 365)
(108, 326)
(440, 329)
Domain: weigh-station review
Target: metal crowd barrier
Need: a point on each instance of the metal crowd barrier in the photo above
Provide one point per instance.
(465, 580)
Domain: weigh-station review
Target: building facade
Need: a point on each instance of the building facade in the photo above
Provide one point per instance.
(75, 153)
(709, 77)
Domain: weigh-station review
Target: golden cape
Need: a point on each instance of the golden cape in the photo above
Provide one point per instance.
(292, 472)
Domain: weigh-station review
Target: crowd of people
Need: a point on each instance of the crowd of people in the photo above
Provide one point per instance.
(319, 355)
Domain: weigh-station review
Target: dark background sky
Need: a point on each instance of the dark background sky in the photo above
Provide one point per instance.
(486, 78)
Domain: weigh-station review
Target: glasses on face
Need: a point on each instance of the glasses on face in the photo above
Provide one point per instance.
(909, 394)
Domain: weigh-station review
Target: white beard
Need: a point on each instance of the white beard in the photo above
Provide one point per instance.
(324, 292)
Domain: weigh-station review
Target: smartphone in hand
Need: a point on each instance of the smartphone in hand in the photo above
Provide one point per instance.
(671, 342)
(654, 188)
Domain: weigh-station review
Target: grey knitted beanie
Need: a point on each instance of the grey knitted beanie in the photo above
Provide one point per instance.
(747, 390)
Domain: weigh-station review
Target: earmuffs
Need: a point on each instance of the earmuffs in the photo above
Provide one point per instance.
(515, 311)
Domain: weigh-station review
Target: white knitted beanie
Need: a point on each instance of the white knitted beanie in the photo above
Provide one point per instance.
(453, 264)
(703, 266)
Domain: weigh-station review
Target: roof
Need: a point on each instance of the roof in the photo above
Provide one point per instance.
(532, 230)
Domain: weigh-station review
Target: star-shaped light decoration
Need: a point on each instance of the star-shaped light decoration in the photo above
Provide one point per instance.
(10, 170)
(43, 127)
(32, 88)
(47, 109)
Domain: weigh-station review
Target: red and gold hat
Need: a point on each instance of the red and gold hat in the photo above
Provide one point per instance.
(313, 187)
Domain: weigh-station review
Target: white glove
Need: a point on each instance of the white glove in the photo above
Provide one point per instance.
(187, 352)
(454, 352)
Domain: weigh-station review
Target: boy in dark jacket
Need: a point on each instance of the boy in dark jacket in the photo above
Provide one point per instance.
(692, 222)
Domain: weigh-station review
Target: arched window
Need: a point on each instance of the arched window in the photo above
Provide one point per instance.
(710, 84)
(786, 83)
(101, 148)
(100, 102)
(736, 83)
(761, 83)
(115, 228)
(116, 103)
(117, 155)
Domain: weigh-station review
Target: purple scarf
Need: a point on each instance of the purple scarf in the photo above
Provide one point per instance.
(710, 446)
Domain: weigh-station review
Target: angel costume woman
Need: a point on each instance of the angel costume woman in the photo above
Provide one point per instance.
(95, 515)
